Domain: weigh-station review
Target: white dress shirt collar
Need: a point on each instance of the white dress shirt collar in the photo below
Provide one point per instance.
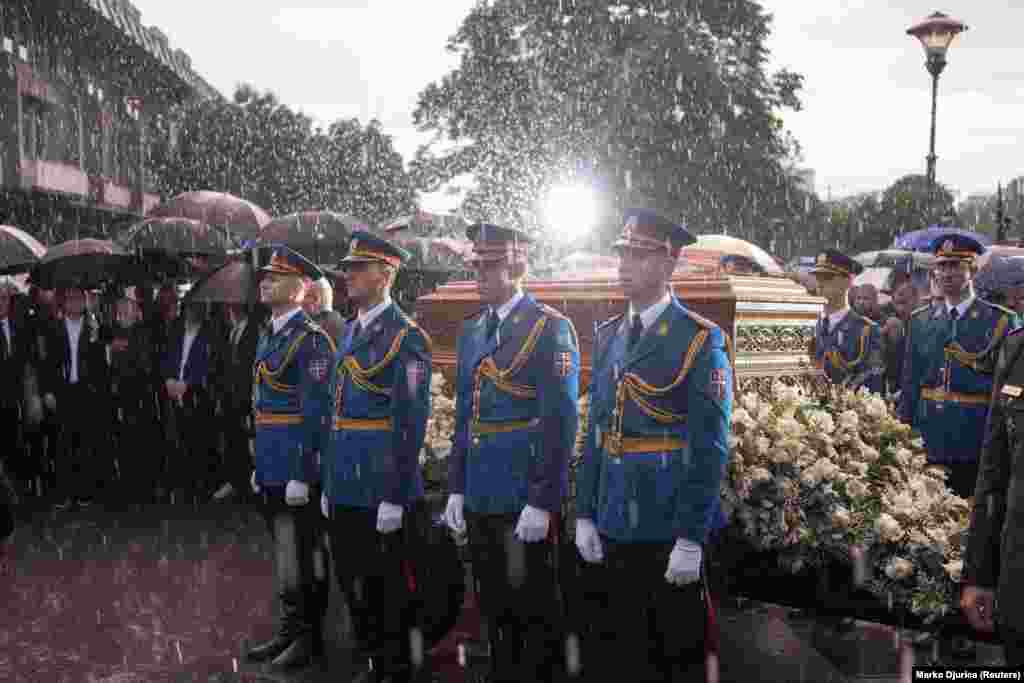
(651, 313)
(366, 319)
(507, 307)
(280, 321)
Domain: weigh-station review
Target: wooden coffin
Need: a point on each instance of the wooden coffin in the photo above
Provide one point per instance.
(769, 318)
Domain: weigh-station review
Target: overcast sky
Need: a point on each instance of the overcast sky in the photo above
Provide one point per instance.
(866, 99)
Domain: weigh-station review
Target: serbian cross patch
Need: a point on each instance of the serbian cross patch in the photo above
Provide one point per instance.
(718, 383)
(563, 363)
(415, 372)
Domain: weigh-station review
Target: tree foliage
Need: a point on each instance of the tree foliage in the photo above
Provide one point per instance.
(664, 103)
(257, 148)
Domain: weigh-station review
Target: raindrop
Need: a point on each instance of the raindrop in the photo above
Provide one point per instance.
(462, 655)
(573, 660)
(416, 647)
(177, 646)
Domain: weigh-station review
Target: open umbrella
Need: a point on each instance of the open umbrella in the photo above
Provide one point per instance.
(733, 245)
(85, 263)
(19, 251)
(239, 216)
(921, 240)
(176, 236)
(894, 258)
(317, 235)
(232, 283)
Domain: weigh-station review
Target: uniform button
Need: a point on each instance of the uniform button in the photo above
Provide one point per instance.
(476, 440)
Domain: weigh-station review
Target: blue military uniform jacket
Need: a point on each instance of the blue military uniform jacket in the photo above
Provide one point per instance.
(851, 352)
(947, 376)
(381, 405)
(516, 410)
(291, 400)
(657, 443)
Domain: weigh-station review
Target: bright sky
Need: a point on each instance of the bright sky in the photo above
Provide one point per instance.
(866, 99)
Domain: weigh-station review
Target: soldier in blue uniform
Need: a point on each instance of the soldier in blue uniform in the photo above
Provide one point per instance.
(947, 368)
(847, 346)
(373, 487)
(291, 399)
(515, 429)
(647, 496)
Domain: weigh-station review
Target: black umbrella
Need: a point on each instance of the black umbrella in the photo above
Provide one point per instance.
(85, 263)
(320, 236)
(19, 251)
(177, 236)
(232, 283)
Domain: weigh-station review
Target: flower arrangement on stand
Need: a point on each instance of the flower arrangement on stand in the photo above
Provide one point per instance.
(836, 475)
(437, 443)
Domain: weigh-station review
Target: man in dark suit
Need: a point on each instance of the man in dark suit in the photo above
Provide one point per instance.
(319, 305)
(234, 375)
(73, 378)
(133, 406)
(41, 433)
(13, 365)
(185, 371)
(993, 572)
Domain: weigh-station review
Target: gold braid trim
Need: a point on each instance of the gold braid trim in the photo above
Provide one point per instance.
(639, 391)
(361, 376)
(489, 369)
(837, 360)
(974, 361)
(265, 374)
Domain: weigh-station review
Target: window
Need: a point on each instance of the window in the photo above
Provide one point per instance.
(33, 125)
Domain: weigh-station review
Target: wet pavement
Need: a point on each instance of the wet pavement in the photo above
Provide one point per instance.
(176, 593)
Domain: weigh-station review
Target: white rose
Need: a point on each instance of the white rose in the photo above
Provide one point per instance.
(903, 456)
(789, 428)
(734, 441)
(841, 517)
(903, 505)
(954, 569)
(888, 528)
(856, 488)
(875, 408)
(757, 474)
(899, 568)
(859, 468)
(848, 420)
(751, 403)
(741, 416)
(763, 444)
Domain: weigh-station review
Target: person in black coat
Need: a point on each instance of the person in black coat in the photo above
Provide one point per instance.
(133, 406)
(13, 368)
(73, 379)
(319, 305)
(234, 367)
(185, 370)
(41, 426)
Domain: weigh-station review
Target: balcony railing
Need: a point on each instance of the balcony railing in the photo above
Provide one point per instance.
(66, 178)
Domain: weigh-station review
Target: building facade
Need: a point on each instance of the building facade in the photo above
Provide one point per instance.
(79, 83)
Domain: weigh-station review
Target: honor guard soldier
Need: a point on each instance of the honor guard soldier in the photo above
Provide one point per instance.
(373, 486)
(847, 345)
(947, 368)
(657, 444)
(515, 430)
(291, 400)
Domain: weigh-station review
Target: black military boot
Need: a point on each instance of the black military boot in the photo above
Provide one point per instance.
(285, 633)
(303, 647)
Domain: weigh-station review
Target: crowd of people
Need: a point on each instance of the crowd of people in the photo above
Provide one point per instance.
(119, 400)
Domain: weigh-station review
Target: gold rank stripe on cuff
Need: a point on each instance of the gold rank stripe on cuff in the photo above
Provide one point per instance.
(936, 394)
(274, 419)
(362, 425)
(632, 445)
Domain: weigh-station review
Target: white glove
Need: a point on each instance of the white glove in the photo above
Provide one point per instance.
(533, 524)
(252, 482)
(389, 517)
(684, 563)
(325, 506)
(588, 541)
(296, 493)
(453, 513)
(51, 402)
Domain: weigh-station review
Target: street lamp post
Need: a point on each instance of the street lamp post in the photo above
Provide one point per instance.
(936, 33)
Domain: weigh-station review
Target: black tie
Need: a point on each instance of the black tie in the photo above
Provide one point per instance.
(953, 314)
(492, 323)
(635, 330)
(824, 328)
